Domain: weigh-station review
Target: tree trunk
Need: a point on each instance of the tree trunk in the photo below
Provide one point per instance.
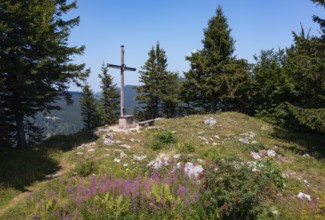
(213, 106)
(21, 137)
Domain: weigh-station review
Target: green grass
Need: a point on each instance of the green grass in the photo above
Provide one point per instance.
(192, 139)
(21, 168)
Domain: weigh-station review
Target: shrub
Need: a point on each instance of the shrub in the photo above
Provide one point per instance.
(85, 168)
(237, 190)
(256, 147)
(186, 147)
(156, 145)
(166, 137)
(161, 139)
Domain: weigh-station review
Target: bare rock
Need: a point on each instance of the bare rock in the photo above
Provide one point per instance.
(303, 196)
(210, 121)
(244, 141)
(255, 156)
(139, 158)
(271, 153)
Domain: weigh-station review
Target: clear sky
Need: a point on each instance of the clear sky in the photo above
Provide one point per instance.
(178, 26)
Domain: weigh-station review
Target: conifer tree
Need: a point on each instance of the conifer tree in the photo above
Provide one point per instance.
(289, 86)
(88, 108)
(109, 101)
(35, 58)
(317, 19)
(157, 92)
(147, 93)
(272, 86)
(313, 119)
(170, 94)
(238, 96)
(306, 65)
(208, 80)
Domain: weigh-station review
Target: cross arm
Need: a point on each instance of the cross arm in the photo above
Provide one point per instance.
(129, 68)
(119, 67)
(113, 66)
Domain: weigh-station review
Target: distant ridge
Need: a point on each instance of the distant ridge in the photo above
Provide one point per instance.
(68, 120)
(129, 98)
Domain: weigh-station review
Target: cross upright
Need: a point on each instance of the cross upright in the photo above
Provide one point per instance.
(123, 68)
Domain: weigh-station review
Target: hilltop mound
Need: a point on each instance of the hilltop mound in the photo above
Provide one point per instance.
(225, 165)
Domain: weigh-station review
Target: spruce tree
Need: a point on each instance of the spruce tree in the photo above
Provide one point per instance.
(238, 96)
(147, 93)
(156, 95)
(35, 58)
(314, 119)
(272, 86)
(305, 66)
(88, 108)
(170, 94)
(208, 79)
(319, 20)
(109, 101)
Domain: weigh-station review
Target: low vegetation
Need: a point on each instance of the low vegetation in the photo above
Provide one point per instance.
(199, 171)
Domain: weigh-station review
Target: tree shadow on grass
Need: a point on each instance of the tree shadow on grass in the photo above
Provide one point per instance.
(19, 168)
(303, 142)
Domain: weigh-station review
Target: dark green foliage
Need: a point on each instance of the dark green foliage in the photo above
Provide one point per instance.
(34, 134)
(218, 81)
(319, 20)
(237, 97)
(158, 94)
(166, 137)
(169, 94)
(215, 75)
(256, 147)
(6, 127)
(306, 66)
(271, 86)
(206, 78)
(88, 108)
(311, 118)
(231, 190)
(109, 101)
(35, 58)
(161, 139)
(294, 76)
(156, 145)
(139, 115)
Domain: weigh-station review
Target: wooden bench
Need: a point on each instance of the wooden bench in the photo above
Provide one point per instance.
(149, 122)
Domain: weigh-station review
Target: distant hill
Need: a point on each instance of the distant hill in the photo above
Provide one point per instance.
(68, 120)
(129, 98)
(65, 121)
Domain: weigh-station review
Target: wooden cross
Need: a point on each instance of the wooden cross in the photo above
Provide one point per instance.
(123, 68)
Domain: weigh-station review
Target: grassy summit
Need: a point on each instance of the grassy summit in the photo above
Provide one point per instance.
(225, 165)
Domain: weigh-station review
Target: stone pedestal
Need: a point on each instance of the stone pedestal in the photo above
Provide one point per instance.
(126, 121)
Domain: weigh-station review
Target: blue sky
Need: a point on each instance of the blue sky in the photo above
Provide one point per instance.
(178, 26)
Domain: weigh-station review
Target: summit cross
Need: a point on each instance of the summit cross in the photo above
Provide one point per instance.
(123, 68)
